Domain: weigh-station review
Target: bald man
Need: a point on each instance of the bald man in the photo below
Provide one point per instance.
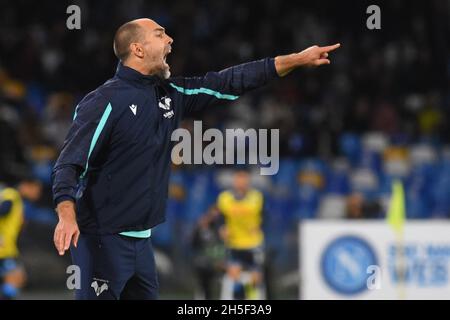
(110, 181)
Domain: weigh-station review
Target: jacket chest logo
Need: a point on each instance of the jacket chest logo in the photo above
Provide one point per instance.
(164, 103)
(133, 108)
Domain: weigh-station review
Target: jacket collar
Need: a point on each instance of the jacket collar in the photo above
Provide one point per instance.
(130, 74)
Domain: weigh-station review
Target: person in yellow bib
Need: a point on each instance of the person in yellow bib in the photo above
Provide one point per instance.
(12, 273)
(242, 210)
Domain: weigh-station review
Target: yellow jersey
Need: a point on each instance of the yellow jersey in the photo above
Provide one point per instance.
(243, 219)
(10, 224)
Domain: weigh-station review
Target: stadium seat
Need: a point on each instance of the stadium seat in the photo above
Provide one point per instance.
(396, 161)
(423, 154)
(350, 147)
(332, 206)
(417, 206)
(364, 180)
(197, 197)
(306, 202)
(371, 160)
(284, 181)
(337, 180)
(374, 141)
(42, 170)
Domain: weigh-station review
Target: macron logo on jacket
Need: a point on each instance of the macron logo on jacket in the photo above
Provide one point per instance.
(133, 108)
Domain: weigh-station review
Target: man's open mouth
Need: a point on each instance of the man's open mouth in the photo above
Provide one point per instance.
(165, 55)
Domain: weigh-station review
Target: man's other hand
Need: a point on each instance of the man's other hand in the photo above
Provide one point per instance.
(66, 230)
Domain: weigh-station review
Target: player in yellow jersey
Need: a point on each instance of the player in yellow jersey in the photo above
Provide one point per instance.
(12, 274)
(242, 210)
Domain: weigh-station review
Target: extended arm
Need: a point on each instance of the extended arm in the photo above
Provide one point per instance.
(311, 57)
(232, 82)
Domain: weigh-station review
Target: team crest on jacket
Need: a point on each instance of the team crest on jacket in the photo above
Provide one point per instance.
(164, 103)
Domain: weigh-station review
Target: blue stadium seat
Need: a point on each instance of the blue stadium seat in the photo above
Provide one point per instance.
(440, 193)
(42, 170)
(371, 160)
(286, 173)
(337, 182)
(306, 202)
(39, 214)
(417, 206)
(350, 147)
(163, 234)
(421, 180)
(313, 164)
(366, 181)
(277, 220)
(199, 196)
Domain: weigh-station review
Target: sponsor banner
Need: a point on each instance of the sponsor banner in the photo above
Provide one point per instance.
(367, 260)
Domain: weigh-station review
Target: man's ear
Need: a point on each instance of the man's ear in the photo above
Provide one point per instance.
(137, 50)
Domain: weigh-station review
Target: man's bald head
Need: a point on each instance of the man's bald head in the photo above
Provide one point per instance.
(127, 34)
(143, 45)
(132, 31)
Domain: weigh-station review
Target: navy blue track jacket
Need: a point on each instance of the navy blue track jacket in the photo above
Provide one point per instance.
(115, 161)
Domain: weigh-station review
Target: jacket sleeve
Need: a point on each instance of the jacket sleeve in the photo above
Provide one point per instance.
(89, 131)
(228, 84)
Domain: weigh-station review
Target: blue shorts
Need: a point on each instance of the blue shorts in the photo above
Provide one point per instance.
(115, 267)
(7, 265)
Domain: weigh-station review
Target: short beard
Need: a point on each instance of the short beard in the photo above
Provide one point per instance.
(164, 74)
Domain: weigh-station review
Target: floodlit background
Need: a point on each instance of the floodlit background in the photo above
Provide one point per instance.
(379, 112)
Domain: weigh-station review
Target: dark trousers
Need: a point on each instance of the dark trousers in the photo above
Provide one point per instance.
(115, 267)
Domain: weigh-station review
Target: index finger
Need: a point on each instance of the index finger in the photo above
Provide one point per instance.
(59, 241)
(331, 48)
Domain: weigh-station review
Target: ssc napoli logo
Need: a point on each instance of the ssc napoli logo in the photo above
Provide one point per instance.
(344, 264)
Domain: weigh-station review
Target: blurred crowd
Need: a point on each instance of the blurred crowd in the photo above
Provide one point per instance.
(380, 111)
(394, 80)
